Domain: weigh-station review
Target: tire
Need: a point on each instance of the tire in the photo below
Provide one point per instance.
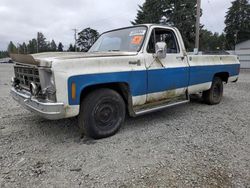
(214, 95)
(102, 112)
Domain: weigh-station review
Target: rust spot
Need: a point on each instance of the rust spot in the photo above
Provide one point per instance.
(152, 98)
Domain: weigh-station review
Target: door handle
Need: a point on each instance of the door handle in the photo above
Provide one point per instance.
(180, 58)
(138, 63)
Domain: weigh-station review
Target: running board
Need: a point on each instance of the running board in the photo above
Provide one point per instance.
(146, 111)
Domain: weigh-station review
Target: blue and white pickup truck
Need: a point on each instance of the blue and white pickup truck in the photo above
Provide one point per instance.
(133, 70)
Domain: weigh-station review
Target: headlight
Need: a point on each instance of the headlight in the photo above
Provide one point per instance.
(47, 84)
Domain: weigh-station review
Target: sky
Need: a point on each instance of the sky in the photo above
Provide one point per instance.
(20, 20)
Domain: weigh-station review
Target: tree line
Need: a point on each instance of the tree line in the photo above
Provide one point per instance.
(35, 45)
(85, 40)
(180, 14)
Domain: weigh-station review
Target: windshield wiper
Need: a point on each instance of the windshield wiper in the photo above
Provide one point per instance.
(114, 50)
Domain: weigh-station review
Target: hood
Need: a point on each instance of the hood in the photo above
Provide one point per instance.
(46, 59)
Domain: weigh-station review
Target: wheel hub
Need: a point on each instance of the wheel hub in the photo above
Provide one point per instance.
(106, 114)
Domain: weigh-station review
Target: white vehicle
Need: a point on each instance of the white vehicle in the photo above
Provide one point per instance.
(134, 70)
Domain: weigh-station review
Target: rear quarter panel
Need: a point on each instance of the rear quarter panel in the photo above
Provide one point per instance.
(204, 67)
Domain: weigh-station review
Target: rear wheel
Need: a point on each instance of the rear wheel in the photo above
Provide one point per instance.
(102, 113)
(215, 93)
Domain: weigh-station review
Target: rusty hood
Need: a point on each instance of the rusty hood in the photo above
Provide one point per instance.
(46, 59)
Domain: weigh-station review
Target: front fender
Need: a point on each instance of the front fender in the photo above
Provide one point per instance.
(136, 80)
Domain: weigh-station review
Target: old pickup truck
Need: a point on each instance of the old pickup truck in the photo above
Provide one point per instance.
(133, 70)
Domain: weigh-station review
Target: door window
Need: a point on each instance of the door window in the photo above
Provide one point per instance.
(163, 35)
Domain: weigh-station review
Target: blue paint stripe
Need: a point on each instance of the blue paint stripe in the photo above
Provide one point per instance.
(167, 79)
(137, 80)
(152, 81)
(203, 74)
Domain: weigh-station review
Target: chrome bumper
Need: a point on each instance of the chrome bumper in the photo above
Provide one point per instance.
(51, 111)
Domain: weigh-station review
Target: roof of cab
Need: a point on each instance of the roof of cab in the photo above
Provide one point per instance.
(143, 25)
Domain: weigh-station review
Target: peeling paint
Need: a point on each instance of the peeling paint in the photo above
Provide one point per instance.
(161, 96)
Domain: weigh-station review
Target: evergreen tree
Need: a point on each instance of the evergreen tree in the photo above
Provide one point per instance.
(3, 54)
(53, 46)
(42, 44)
(152, 11)
(22, 49)
(180, 14)
(71, 48)
(211, 41)
(12, 49)
(86, 38)
(60, 47)
(32, 46)
(237, 23)
(183, 17)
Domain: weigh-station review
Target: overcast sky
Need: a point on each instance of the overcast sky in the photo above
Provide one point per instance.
(20, 20)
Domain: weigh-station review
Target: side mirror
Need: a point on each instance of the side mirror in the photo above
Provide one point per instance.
(161, 50)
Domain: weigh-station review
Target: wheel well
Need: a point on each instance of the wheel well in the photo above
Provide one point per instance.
(223, 75)
(120, 87)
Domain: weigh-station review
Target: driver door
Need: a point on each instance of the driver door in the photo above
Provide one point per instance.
(168, 77)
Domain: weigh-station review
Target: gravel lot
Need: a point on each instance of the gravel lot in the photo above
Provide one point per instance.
(194, 145)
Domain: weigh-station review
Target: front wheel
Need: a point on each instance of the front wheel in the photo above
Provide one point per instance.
(102, 113)
(215, 93)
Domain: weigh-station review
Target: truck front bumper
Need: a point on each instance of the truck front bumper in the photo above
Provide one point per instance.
(47, 110)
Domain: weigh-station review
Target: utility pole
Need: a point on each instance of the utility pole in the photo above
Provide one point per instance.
(18, 48)
(24, 49)
(75, 35)
(37, 42)
(197, 33)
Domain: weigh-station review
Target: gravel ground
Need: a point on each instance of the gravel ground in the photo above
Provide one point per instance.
(194, 145)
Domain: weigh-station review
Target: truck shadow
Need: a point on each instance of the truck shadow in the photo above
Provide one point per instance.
(67, 129)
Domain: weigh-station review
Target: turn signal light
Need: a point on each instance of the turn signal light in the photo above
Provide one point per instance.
(73, 91)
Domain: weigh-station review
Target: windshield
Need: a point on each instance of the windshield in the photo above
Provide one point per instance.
(127, 40)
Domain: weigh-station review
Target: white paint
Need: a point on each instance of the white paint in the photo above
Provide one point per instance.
(70, 64)
(65, 65)
(165, 95)
(199, 88)
(139, 100)
(204, 60)
(72, 111)
(233, 78)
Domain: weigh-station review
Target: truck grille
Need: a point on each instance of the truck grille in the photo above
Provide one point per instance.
(26, 75)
